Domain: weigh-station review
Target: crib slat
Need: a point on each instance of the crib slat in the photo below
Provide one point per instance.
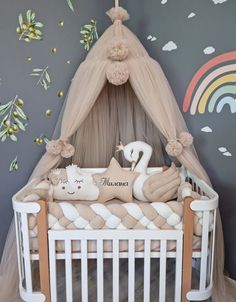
(19, 256)
(53, 271)
(162, 276)
(68, 263)
(131, 270)
(26, 252)
(178, 269)
(115, 269)
(204, 250)
(84, 270)
(100, 276)
(146, 291)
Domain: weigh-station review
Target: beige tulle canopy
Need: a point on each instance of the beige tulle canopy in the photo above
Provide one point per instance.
(120, 59)
(118, 93)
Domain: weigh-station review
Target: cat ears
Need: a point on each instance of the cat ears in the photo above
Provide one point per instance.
(69, 174)
(56, 175)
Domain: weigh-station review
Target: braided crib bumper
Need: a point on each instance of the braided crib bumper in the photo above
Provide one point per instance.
(116, 215)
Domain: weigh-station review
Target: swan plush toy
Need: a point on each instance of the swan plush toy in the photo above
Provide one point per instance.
(160, 185)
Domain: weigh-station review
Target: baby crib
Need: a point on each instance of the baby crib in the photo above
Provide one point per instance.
(183, 256)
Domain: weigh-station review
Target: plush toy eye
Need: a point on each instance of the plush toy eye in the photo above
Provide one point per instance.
(79, 187)
(77, 181)
(64, 182)
(63, 188)
(131, 152)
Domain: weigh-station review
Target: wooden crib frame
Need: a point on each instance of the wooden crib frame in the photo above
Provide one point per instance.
(184, 255)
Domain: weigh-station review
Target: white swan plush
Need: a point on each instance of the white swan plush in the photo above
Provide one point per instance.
(72, 184)
(160, 184)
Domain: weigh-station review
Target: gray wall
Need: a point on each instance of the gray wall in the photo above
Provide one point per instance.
(213, 25)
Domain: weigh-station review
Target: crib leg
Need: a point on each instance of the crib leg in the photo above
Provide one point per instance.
(42, 224)
(187, 248)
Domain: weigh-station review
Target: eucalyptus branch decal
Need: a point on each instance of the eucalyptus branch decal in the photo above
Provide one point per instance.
(28, 29)
(69, 2)
(44, 77)
(89, 34)
(14, 165)
(14, 119)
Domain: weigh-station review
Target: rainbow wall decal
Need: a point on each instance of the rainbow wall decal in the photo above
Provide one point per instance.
(213, 86)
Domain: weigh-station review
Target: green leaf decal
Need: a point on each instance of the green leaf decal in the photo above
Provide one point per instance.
(44, 77)
(13, 119)
(28, 28)
(88, 34)
(70, 5)
(14, 165)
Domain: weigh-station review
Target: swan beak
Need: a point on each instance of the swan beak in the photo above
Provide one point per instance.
(133, 165)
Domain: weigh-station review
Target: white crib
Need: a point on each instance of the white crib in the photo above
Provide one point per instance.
(184, 257)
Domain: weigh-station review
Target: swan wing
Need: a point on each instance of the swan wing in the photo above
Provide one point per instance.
(162, 186)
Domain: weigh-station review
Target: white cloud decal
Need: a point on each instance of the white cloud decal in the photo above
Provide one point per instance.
(151, 38)
(225, 152)
(222, 149)
(206, 129)
(209, 50)
(219, 1)
(169, 46)
(191, 15)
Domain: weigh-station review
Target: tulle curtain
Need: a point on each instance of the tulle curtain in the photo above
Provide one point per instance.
(85, 88)
(116, 116)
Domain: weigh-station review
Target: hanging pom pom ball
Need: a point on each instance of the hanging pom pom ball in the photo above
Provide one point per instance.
(186, 139)
(174, 148)
(118, 50)
(68, 151)
(118, 13)
(60, 147)
(117, 73)
(54, 147)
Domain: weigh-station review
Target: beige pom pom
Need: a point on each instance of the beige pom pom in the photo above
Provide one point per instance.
(54, 147)
(118, 13)
(174, 148)
(60, 147)
(117, 73)
(118, 50)
(68, 151)
(185, 139)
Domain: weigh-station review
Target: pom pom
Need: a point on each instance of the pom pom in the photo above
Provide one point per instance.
(117, 73)
(54, 147)
(185, 139)
(118, 13)
(118, 50)
(174, 148)
(60, 147)
(68, 151)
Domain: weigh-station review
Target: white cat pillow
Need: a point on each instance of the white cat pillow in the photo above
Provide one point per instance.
(72, 184)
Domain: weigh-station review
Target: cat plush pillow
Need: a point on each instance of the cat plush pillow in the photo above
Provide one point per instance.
(72, 184)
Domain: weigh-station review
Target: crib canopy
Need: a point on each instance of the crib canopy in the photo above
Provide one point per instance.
(116, 58)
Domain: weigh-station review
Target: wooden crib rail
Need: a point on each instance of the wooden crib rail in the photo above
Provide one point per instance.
(42, 224)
